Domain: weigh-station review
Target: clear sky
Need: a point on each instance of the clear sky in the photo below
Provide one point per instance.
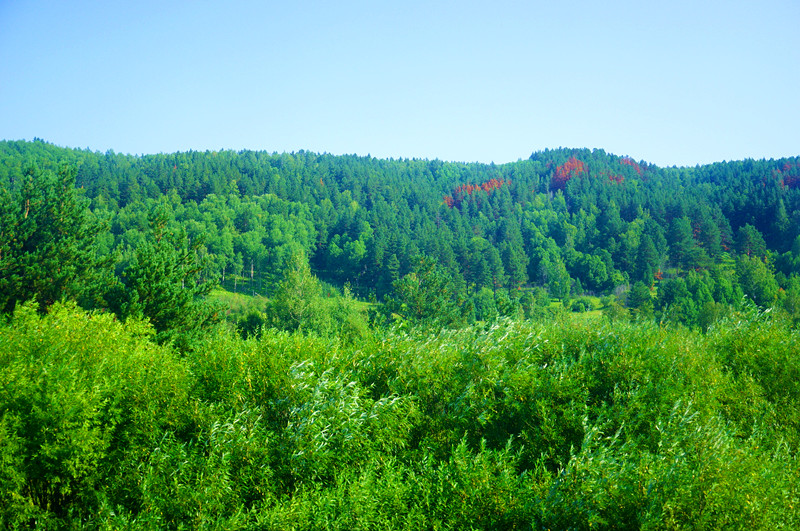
(675, 83)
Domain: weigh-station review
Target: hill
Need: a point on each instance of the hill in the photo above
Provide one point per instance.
(569, 221)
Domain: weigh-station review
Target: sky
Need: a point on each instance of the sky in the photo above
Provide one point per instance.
(671, 83)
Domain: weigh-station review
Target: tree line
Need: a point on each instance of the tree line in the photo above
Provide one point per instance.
(679, 244)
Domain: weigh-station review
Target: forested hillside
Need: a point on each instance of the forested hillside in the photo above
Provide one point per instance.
(251, 340)
(572, 222)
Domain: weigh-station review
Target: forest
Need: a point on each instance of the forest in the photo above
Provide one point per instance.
(254, 340)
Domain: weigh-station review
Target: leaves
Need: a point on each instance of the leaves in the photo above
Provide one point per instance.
(562, 422)
(47, 241)
(161, 282)
(427, 297)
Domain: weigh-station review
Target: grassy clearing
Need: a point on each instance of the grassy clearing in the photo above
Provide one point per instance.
(238, 303)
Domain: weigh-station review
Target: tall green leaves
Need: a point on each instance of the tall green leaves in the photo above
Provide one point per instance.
(564, 423)
(84, 399)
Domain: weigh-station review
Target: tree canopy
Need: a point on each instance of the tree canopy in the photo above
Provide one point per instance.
(572, 221)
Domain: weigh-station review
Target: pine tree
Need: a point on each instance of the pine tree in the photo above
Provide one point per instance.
(681, 242)
(47, 241)
(161, 282)
(646, 259)
(427, 296)
(750, 242)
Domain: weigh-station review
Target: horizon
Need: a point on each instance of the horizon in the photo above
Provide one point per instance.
(368, 155)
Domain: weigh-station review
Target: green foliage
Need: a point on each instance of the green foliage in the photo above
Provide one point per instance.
(534, 417)
(554, 424)
(252, 323)
(750, 242)
(761, 352)
(336, 425)
(699, 476)
(47, 241)
(640, 299)
(534, 302)
(581, 305)
(466, 491)
(299, 304)
(427, 297)
(363, 221)
(484, 304)
(84, 400)
(790, 299)
(161, 282)
(615, 311)
(757, 280)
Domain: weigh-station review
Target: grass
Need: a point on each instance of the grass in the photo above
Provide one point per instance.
(238, 303)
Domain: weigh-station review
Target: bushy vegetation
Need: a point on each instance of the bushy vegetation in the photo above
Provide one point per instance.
(562, 423)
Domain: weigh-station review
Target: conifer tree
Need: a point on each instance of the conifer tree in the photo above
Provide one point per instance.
(428, 296)
(161, 282)
(47, 241)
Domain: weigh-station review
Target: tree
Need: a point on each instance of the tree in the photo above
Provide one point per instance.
(534, 302)
(647, 259)
(47, 242)
(791, 299)
(639, 297)
(676, 302)
(515, 262)
(683, 249)
(427, 296)
(485, 307)
(757, 280)
(592, 270)
(483, 265)
(553, 272)
(161, 282)
(750, 242)
(710, 236)
(297, 303)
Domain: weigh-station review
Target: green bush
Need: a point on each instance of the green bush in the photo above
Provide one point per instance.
(581, 304)
(514, 424)
(84, 398)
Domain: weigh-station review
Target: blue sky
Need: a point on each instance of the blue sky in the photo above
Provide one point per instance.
(674, 83)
